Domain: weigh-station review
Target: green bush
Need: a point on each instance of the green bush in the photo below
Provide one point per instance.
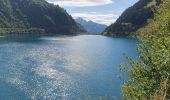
(154, 53)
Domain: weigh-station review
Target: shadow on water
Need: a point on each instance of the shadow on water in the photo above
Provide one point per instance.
(10, 92)
(27, 38)
(20, 39)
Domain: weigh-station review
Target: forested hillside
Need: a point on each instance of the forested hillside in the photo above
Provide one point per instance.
(34, 16)
(133, 18)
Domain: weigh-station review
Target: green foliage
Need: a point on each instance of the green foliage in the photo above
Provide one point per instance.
(154, 53)
(133, 18)
(36, 14)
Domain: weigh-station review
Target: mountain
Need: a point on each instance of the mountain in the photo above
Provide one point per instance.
(133, 18)
(91, 26)
(34, 16)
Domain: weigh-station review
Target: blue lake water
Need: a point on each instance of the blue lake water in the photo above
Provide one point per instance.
(82, 67)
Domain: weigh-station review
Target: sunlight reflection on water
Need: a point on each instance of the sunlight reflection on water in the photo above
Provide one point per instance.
(67, 68)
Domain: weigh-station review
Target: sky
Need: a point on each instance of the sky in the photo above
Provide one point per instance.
(100, 11)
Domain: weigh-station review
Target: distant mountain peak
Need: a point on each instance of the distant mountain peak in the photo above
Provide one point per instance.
(90, 21)
(90, 26)
(80, 20)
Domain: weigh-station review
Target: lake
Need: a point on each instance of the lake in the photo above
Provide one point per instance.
(84, 67)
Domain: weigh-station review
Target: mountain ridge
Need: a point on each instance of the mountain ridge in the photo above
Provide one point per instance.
(133, 18)
(39, 16)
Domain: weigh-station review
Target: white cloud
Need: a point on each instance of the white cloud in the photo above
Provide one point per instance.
(80, 3)
(102, 18)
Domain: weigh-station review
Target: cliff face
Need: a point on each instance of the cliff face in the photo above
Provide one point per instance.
(133, 18)
(37, 15)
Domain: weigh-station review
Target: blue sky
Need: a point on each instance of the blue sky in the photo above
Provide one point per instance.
(100, 11)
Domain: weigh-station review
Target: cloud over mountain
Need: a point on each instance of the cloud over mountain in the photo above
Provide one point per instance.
(103, 18)
(80, 3)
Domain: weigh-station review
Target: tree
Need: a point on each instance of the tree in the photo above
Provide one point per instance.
(154, 53)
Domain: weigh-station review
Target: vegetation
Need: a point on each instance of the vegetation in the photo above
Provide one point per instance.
(34, 16)
(150, 76)
(133, 18)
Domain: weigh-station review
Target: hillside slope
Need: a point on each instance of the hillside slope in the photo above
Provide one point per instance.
(133, 18)
(37, 16)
